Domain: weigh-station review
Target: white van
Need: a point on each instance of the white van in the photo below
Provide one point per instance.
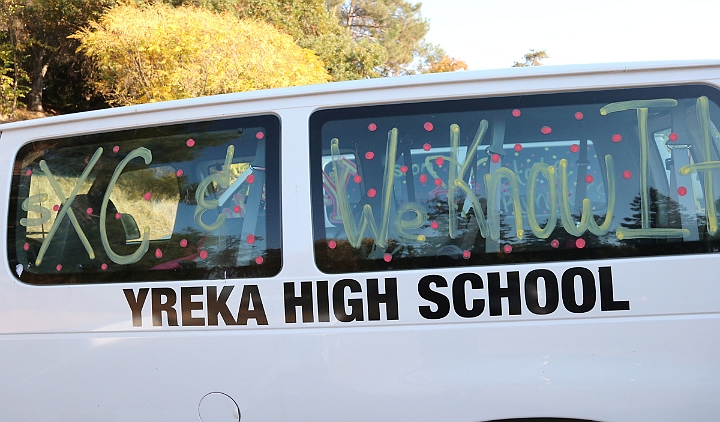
(532, 244)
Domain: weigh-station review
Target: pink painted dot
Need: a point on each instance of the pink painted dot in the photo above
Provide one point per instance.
(466, 254)
(507, 248)
(28, 172)
(517, 147)
(251, 238)
(250, 179)
(545, 130)
(495, 158)
(357, 178)
(183, 243)
(203, 254)
(371, 192)
(682, 191)
(434, 225)
(403, 169)
(236, 209)
(423, 178)
(580, 243)
(555, 243)
(26, 246)
(89, 211)
(589, 178)
(179, 173)
(387, 257)
(369, 155)
(616, 138)
(626, 174)
(579, 115)
(574, 148)
(116, 149)
(372, 127)
(104, 267)
(673, 137)
(428, 126)
(118, 216)
(190, 143)
(516, 113)
(427, 147)
(332, 244)
(56, 207)
(438, 181)
(260, 135)
(440, 161)
(259, 260)
(147, 196)
(158, 253)
(58, 267)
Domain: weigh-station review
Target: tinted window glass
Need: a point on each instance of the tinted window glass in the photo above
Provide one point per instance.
(190, 201)
(518, 179)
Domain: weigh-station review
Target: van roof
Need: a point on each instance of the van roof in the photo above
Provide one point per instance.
(373, 84)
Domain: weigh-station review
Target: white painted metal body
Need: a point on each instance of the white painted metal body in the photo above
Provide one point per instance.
(71, 353)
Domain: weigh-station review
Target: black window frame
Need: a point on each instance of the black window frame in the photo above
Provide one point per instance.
(271, 259)
(323, 253)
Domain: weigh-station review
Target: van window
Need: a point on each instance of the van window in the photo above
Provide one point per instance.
(519, 179)
(194, 201)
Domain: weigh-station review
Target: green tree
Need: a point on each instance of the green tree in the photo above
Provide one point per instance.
(155, 52)
(355, 39)
(46, 25)
(533, 58)
(13, 78)
(313, 27)
(396, 25)
(437, 61)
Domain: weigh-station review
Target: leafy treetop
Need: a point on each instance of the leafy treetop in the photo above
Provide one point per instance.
(533, 58)
(155, 52)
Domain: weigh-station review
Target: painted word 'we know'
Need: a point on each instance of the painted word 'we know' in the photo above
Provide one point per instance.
(559, 203)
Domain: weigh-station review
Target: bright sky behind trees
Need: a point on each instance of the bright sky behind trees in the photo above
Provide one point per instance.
(489, 34)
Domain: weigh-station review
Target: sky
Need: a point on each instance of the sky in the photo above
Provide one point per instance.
(489, 34)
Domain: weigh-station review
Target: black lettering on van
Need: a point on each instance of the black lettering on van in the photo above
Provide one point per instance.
(460, 299)
(217, 305)
(323, 301)
(136, 304)
(251, 306)
(511, 292)
(187, 305)
(532, 299)
(159, 306)
(607, 299)
(304, 301)
(588, 294)
(340, 302)
(347, 303)
(430, 288)
(193, 302)
(375, 298)
(441, 301)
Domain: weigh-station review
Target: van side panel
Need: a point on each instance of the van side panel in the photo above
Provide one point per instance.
(360, 275)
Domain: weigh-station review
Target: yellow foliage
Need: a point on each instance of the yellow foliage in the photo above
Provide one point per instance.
(156, 52)
(447, 64)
